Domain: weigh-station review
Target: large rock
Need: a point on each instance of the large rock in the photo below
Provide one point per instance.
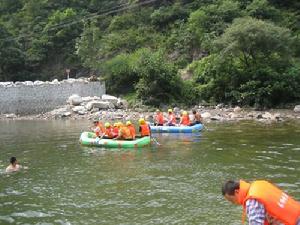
(110, 98)
(98, 104)
(122, 104)
(237, 109)
(38, 82)
(206, 115)
(75, 100)
(77, 109)
(297, 109)
(267, 116)
(11, 116)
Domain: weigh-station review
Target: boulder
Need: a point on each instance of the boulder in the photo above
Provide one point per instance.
(66, 114)
(76, 109)
(232, 115)
(267, 116)
(206, 115)
(97, 104)
(75, 100)
(220, 106)
(297, 109)
(10, 116)
(38, 82)
(55, 81)
(28, 82)
(110, 98)
(122, 104)
(237, 109)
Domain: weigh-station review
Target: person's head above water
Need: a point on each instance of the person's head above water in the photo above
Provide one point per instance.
(13, 160)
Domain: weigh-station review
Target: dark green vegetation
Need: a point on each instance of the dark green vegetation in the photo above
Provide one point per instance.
(234, 51)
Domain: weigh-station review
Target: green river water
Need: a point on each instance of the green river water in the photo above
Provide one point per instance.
(177, 182)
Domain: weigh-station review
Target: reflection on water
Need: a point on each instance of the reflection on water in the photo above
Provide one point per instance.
(174, 182)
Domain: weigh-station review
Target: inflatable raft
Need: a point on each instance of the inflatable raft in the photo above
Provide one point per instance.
(175, 129)
(90, 139)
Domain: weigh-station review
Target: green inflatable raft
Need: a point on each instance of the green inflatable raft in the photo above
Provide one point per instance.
(90, 139)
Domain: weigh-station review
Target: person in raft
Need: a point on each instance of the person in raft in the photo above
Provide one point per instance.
(131, 128)
(108, 134)
(171, 118)
(159, 118)
(196, 118)
(144, 128)
(124, 132)
(98, 128)
(184, 119)
(14, 165)
(263, 202)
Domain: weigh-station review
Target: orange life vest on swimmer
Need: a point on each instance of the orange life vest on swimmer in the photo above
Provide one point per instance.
(185, 120)
(277, 204)
(159, 118)
(125, 132)
(145, 130)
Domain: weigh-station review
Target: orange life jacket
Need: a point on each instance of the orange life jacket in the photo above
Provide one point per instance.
(125, 132)
(278, 204)
(132, 130)
(172, 118)
(99, 129)
(102, 128)
(115, 131)
(159, 118)
(185, 120)
(145, 130)
(109, 132)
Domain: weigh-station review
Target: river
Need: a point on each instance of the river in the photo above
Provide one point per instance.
(176, 182)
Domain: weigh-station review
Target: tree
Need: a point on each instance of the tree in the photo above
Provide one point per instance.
(158, 79)
(11, 57)
(251, 65)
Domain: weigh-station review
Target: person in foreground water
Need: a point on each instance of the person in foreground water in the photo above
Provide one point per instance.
(263, 202)
(14, 166)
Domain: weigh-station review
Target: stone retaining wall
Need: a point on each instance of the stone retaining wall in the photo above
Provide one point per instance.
(25, 98)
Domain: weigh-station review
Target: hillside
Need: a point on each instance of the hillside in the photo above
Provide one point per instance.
(244, 52)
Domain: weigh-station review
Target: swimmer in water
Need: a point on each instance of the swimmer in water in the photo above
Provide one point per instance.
(14, 165)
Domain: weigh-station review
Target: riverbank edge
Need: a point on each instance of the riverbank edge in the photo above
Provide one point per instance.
(208, 114)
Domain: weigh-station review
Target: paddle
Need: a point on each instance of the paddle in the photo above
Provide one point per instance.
(155, 141)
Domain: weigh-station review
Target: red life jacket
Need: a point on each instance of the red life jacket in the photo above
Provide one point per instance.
(172, 118)
(185, 120)
(145, 130)
(159, 118)
(278, 204)
(109, 132)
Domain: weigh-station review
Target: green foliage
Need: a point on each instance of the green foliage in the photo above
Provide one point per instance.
(159, 81)
(210, 21)
(154, 79)
(11, 57)
(120, 75)
(251, 65)
(240, 51)
(256, 42)
(261, 9)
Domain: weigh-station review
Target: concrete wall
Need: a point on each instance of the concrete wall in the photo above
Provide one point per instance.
(24, 98)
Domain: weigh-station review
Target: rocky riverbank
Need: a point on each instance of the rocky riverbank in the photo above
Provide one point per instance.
(110, 108)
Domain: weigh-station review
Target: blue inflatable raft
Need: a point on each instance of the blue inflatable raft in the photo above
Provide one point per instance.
(175, 129)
